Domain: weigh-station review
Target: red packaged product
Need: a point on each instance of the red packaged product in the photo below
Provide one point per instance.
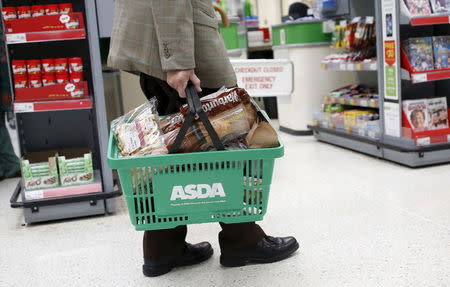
(20, 82)
(34, 67)
(76, 77)
(23, 12)
(51, 9)
(48, 65)
(37, 10)
(19, 67)
(9, 13)
(62, 78)
(76, 65)
(61, 65)
(65, 8)
(48, 79)
(35, 80)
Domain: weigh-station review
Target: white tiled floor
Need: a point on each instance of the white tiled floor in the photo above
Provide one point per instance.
(360, 222)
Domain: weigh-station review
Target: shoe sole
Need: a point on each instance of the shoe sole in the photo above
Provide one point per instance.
(166, 268)
(235, 261)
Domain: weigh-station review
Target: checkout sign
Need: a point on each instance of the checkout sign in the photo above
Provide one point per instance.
(265, 78)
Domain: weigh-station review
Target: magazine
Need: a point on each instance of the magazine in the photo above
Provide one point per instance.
(440, 6)
(441, 52)
(419, 7)
(420, 52)
(417, 114)
(437, 109)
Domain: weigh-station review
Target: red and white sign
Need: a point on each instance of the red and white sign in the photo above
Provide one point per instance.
(265, 78)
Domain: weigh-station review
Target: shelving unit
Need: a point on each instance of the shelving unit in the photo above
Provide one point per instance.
(395, 84)
(67, 122)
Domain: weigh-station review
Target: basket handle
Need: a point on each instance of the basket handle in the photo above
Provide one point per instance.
(195, 109)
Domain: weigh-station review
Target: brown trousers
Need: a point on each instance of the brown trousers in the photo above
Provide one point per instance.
(170, 242)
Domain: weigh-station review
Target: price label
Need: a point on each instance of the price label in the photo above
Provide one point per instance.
(16, 38)
(23, 107)
(423, 141)
(420, 78)
(34, 194)
(351, 66)
(373, 66)
(364, 103)
(343, 67)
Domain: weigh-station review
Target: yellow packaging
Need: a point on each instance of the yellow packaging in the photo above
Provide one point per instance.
(351, 116)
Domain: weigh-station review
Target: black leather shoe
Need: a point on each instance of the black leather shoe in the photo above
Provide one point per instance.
(268, 250)
(193, 254)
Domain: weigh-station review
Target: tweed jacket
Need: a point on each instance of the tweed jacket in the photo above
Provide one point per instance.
(156, 36)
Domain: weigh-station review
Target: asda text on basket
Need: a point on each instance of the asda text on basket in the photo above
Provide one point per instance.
(197, 191)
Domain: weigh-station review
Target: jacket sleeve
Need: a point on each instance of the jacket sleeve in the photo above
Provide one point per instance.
(174, 26)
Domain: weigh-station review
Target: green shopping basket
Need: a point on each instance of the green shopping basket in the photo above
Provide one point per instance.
(166, 191)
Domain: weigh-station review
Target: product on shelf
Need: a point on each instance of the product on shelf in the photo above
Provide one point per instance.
(75, 65)
(9, 13)
(65, 8)
(418, 7)
(51, 9)
(440, 6)
(426, 114)
(48, 65)
(34, 67)
(75, 77)
(75, 166)
(48, 79)
(37, 11)
(39, 170)
(441, 52)
(61, 65)
(62, 78)
(420, 53)
(23, 12)
(19, 67)
(20, 82)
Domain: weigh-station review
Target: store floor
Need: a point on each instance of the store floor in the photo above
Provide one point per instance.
(360, 222)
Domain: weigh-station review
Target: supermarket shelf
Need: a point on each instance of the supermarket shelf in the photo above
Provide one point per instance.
(47, 36)
(406, 18)
(350, 66)
(52, 106)
(367, 103)
(423, 77)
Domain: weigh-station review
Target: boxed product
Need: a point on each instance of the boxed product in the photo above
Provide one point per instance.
(418, 7)
(437, 108)
(351, 117)
(426, 114)
(75, 166)
(420, 53)
(39, 170)
(440, 6)
(441, 52)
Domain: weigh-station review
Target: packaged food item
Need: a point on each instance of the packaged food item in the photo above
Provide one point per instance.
(39, 170)
(9, 13)
(171, 122)
(37, 10)
(19, 67)
(441, 52)
(75, 166)
(61, 65)
(75, 65)
(65, 8)
(48, 79)
(34, 67)
(23, 12)
(20, 81)
(62, 78)
(138, 133)
(76, 77)
(35, 81)
(48, 65)
(262, 135)
(51, 9)
(74, 23)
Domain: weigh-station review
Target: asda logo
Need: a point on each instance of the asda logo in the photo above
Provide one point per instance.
(197, 191)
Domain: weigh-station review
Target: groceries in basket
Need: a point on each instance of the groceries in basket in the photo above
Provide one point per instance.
(231, 113)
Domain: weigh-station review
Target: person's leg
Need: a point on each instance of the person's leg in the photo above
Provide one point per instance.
(9, 163)
(167, 248)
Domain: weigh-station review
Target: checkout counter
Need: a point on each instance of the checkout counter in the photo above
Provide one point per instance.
(305, 44)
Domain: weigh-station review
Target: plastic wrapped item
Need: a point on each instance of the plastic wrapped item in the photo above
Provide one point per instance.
(229, 125)
(262, 135)
(171, 122)
(138, 132)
